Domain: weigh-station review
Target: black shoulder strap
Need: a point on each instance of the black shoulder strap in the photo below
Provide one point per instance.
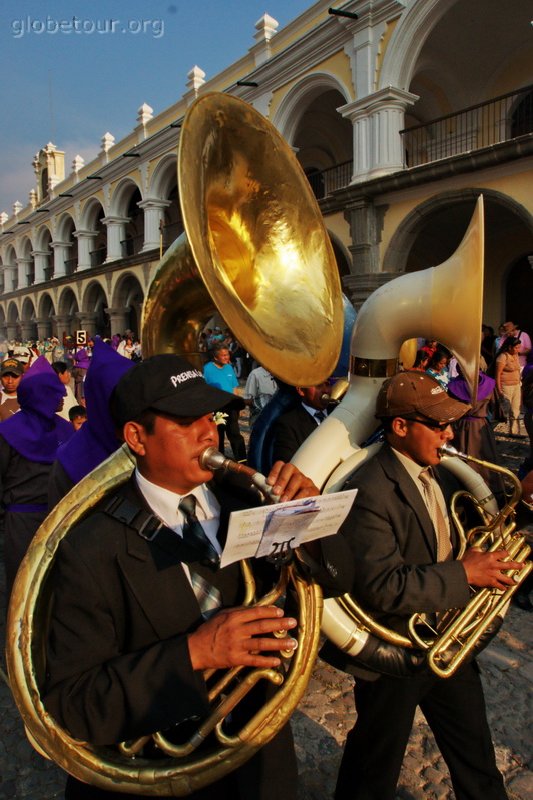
(150, 527)
(143, 522)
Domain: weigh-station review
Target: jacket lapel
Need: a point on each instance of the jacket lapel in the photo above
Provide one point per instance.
(396, 472)
(143, 563)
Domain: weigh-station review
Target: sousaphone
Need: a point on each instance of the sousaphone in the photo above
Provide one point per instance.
(255, 248)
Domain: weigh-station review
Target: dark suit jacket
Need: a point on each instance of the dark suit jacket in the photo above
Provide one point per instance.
(118, 661)
(290, 431)
(394, 549)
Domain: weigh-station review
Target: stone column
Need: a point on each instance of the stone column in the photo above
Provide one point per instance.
(116, 233)
(44, 327)
(377, 120)
(63, 325)
(23, 265)
(86, 321)
(85, 239)
(10, 272)
(12, 330)
(61, 254)
(366, 224)
(27, 328)
(117, 319)
(153, 216)
(42, 260)
(359, 287)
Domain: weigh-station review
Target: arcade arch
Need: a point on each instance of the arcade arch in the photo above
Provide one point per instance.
(128, 218)
(322, 138)
(66, 247)
(432, 232)
(125, 313)
(92, 236)
(164, 191)
(93, 317)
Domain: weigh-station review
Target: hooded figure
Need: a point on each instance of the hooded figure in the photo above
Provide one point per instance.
(473, 433)
(28, 447)
(96, 439)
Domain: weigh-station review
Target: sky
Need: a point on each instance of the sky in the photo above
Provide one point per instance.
(71, 70)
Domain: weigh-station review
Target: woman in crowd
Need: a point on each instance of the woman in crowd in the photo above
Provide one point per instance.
(438, 367)
(508, 381)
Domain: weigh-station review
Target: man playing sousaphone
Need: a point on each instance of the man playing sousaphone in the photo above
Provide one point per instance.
(141, 608)
(403, 548)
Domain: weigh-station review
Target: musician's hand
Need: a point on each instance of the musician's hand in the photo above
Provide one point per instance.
(236, 637)
(486, 570)
(289, 483)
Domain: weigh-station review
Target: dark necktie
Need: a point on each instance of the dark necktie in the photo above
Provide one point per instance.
(208, 596)
(320, 416)
(194, 534)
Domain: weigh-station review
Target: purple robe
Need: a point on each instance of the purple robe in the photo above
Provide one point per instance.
(96, 439)
(36, 431)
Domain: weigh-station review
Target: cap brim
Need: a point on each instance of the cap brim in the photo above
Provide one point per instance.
(446, 409)
(194, 402)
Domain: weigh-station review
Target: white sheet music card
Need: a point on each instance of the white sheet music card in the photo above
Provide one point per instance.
(272, 530)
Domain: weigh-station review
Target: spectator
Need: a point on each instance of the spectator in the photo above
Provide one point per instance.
(11, 372)
(78, 416)
(438, 367)
(62, 370)
(508, 381)
(259, 390)
(221, 374)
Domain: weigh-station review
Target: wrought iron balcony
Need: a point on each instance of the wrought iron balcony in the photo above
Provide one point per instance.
(498, 120)
(325, 181)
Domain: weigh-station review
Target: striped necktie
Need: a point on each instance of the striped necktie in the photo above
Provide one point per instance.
(195, 535)
(208, 596)
(444, 545)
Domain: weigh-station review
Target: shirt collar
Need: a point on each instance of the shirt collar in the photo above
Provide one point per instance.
(164, 503)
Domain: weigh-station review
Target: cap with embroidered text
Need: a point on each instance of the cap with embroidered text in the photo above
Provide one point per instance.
(412, 392)
(11, 367)
(165, 383)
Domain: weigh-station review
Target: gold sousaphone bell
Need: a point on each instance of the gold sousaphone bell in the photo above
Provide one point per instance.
(255, 248)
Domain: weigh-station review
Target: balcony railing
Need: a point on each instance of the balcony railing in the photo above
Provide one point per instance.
(171, 233)
(498, 120)
(70, 265)
(98, 256)
(325, 181)
(132, 246)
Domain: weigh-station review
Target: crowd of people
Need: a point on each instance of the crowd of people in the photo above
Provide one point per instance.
(142, 606)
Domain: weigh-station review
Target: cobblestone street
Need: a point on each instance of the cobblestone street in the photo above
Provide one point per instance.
(326, 714)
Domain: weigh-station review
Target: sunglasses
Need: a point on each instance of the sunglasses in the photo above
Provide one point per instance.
(429, 423)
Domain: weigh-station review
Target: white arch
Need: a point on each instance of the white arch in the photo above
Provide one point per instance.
(93, 292)
(89, 214)
(41, 241)
(164, 177)
(407, 41)
(10, 256)
(121, 196)
(68, 299)
(61, 230)
(24, 247)
(289, 113)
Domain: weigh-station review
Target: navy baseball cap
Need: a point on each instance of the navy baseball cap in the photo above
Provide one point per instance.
(165, 383)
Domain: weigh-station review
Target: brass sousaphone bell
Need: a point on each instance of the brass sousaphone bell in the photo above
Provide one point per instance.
(257, 250)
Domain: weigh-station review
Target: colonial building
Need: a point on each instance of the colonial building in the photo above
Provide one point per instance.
(400, 111)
